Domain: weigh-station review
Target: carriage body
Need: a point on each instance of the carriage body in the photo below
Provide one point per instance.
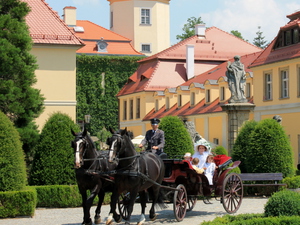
(226, 186)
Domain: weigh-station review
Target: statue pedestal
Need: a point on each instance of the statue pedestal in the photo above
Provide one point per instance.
(237, 113)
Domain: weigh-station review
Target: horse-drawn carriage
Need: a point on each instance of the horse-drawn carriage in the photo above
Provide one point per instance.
(135, 174)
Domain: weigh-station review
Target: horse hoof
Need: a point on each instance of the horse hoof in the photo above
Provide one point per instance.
(118, 218)
(140, 223)
(153, 218)
(97, 219)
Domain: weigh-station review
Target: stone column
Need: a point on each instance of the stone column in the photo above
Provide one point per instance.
(237, 113)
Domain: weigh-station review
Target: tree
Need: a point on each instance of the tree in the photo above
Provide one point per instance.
(12, 163)
(260, 41)
(189, 28)
(237, 34)
(240, 150)
(177, 138)
(18, 99)
(54, 158)
(270, 149)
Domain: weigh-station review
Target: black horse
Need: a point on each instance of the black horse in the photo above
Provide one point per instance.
(91, 174)
(136, 173)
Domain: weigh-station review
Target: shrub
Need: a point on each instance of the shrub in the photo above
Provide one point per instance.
(12, 160)
(255, 220)
(54, 161)
(283, 203)
(177, 138)
(239, 151)
(220, 150)
(18, 203)
(269, 149)
(292, 182)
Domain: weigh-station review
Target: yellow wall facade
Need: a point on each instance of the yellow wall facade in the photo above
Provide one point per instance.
(56, 78)
(127, 22)
(288, 108)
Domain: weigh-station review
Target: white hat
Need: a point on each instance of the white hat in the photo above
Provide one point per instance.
(187, 154)
(203, 142)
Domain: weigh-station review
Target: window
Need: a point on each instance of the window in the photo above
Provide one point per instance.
(288, 38)
(145, 16)
(111, 19)
(248, 90)
(138, 108)
(146, 48)
(156, 105)
(192, 100)
(216, 141)
(284, 83)
(295, 36)
(167, 103)
(125, 110)
(131, 109)
(207, 96)
(179, 102)
(222, 94)
(268, 86)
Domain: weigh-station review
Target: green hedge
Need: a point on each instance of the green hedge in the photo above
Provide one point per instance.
(18, 203)
(23, 203)
(62, 196)
(253, 219)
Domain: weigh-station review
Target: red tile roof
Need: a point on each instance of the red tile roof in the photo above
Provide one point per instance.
(218, 71)
(117, 44)
(272, 55)
(168, 68)
(46, 27)
(218, 45)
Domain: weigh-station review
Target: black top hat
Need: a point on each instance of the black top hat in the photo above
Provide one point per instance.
(155, 121)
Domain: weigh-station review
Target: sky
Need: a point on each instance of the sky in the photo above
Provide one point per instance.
(242, 15)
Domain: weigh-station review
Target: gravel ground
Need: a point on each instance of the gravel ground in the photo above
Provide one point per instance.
(73, 216)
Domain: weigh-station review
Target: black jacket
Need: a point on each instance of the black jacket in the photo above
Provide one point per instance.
(156, 139)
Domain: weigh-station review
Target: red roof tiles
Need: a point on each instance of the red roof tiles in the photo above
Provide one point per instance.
(117, 44)
(46, 27)
(168, 68)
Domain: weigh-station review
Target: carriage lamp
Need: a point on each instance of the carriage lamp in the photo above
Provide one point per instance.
(87, 118)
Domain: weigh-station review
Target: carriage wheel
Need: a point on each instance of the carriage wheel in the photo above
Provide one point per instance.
(180, 203)
(232, 193)
(191, 202)
(123, 203)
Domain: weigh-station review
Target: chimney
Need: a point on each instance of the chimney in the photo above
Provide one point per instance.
(190, 60)
(200, 31)
(70, 16)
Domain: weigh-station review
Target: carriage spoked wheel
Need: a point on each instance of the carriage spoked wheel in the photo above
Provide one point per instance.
(192, 199)
(180, 202)
(232, 193)
(123, 203)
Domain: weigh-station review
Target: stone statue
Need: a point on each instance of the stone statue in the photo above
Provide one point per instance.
(236, 77)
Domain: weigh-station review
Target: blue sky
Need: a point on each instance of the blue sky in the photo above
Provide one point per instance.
(242, 15)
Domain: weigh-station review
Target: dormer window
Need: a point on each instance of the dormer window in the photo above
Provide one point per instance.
(287, 37)
(102, 45)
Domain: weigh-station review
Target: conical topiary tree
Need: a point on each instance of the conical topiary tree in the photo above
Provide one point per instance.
(240, 152)
(53, 162)
(12, 160)
(269, 149)
(177, 138)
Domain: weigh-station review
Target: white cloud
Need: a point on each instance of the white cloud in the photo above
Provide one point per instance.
(245, 16)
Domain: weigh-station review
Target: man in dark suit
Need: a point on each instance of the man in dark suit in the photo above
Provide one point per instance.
(155, 138)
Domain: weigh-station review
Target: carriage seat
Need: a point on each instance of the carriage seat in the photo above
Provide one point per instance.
(222, 161)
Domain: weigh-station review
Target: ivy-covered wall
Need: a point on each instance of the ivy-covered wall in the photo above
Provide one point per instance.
(99, 79)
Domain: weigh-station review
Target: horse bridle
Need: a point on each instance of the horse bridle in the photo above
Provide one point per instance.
(79, 159)
(112, 148)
